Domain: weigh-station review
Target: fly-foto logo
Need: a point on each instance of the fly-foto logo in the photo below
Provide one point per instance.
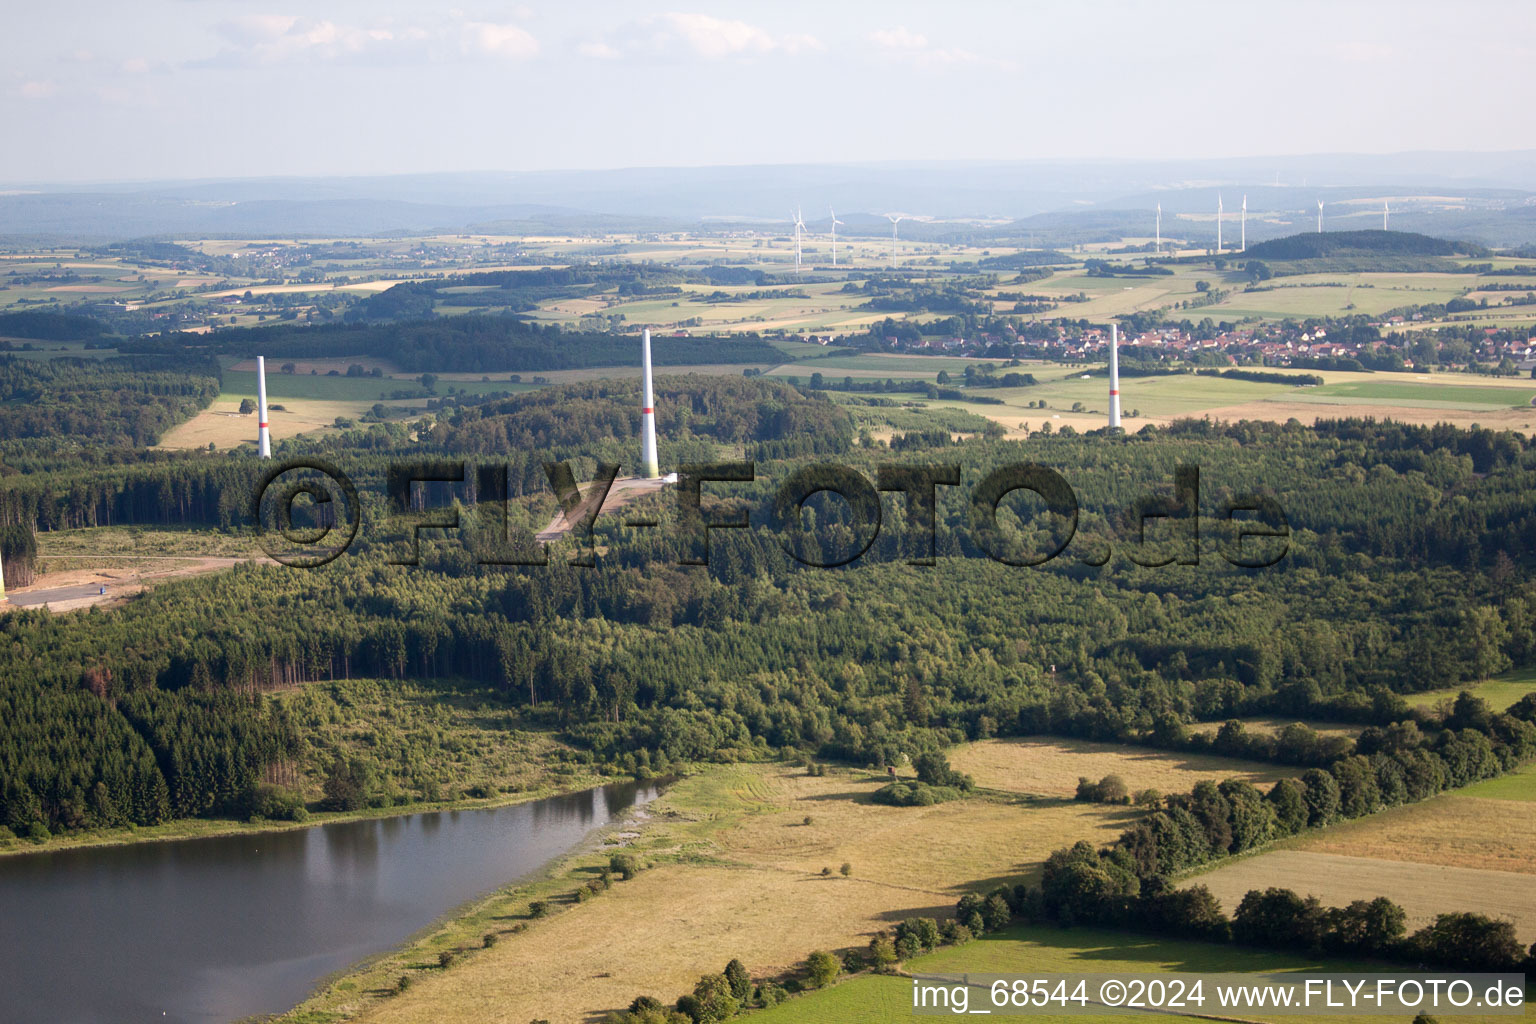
(1254, 532)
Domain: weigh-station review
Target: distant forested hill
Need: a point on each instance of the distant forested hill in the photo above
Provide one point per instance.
(123, 401)
(50, 326)
(729, 410)
(466, 344)
(1314, 245)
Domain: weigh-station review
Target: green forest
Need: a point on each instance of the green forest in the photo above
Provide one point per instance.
(1403, 570)
(461, 344)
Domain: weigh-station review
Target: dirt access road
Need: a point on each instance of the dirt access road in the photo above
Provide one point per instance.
(114, 581)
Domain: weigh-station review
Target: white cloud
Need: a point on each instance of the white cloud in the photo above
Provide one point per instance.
(715, 37)
(899, 38)
(700, 35)
(36, 89)
(597, 51)
(901, 43)
(501, 40)
(262, 39)
(275, 38)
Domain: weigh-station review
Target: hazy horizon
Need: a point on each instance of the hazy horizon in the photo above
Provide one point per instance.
(893, 164)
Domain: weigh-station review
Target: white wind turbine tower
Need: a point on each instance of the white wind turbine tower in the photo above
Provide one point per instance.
(263, 435)
(1243, 228)
(835, 223)
(1319, 216)
(894, 218)
(799, 227)
(1218, 223)
(1159, 227)
(1383, 215)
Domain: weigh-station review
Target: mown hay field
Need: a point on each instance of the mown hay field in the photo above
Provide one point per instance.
(1422, 890)
(1453, 829)
(1051, 767)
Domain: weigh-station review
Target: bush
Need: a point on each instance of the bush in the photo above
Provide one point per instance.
(740, 981)
(823, 968)
(913, 794)
(846, 869)
(624, 865)
(770, 994)
(1111, 789)
(348, 784)
(956, 934)
(921, 932)
(489, 939)
(934, 770)
(538, 908)
(273, 803)
(445, 959)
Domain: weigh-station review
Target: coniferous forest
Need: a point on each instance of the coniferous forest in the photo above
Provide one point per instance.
(1404, 569)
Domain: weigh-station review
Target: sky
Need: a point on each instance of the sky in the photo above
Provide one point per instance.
(177, 89)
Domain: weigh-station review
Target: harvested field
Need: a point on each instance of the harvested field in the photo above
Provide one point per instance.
(1051, 767)
(1453, 830)
(1270, 725)
(1423, 890)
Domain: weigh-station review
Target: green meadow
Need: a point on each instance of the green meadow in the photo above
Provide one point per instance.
(1042, 951)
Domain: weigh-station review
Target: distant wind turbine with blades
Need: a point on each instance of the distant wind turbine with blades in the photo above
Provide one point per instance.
(1243, 228)
(894, 218)
(1319, 216)
(1383, 215)
(1218, 223)
(835, 223)
(1159, 243)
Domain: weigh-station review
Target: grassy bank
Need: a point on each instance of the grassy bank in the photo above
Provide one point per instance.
(204, 828)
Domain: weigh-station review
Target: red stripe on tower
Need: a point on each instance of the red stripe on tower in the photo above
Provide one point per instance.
(645, 412)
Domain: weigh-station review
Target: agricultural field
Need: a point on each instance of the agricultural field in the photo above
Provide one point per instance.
(1469, 850)
(1422, 890)
(1051, 767)
(1034, 951)
(1517, 785)
(1500, 692)
(1269, 725)
(297, 403)
(1406, 397)
(737, 840)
